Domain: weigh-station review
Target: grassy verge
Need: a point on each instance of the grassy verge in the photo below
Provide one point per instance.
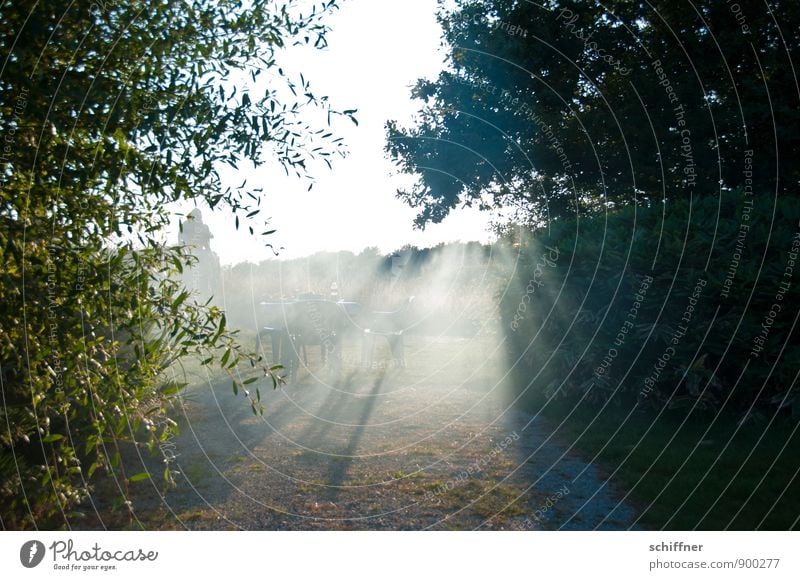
(700, 473)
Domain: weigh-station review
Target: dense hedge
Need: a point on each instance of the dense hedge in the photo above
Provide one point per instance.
(687, 304)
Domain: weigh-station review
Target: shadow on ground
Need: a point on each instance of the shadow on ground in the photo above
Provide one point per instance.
(434, 445)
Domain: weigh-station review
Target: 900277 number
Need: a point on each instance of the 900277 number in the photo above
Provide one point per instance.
(757, 562)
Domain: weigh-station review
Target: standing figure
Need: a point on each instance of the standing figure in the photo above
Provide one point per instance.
(204, 276)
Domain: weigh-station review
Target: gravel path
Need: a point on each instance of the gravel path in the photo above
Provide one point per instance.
(435, 445)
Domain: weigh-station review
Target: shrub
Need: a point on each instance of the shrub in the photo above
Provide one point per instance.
(707, 274)
(111, 113)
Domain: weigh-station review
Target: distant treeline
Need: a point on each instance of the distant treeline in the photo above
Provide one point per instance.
(446, 281)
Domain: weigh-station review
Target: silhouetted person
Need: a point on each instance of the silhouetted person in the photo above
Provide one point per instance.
(195, 233)
(204, 276)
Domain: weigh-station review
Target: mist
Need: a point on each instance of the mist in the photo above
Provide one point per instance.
(398, 409)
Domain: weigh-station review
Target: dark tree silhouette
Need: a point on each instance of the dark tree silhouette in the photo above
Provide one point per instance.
(564, 106)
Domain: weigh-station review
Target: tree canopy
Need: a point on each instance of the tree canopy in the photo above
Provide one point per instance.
(566, 106)
(110, 112)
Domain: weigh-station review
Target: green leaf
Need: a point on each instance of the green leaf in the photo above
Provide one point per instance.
(173, 388)
(121, 425)
(140, 477)
(180, 299)
(52, 438)
(220, 330)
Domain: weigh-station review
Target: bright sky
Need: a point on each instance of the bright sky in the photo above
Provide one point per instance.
(377, 50)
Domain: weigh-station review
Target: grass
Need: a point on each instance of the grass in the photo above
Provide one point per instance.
(310, 486)
(198, 470)
(492, 501)
(682, 478)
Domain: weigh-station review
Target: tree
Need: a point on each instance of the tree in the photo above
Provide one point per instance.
(570, 106)
(110, 111)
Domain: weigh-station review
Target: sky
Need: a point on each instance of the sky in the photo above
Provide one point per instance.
(376, 51)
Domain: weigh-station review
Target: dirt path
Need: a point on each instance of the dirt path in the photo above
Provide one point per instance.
(433, 446)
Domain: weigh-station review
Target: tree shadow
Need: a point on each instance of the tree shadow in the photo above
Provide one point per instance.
(358, 409)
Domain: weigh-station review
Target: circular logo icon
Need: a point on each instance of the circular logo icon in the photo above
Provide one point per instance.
(31, 553)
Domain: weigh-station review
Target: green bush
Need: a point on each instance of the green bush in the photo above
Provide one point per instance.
(87, 339)
(704, 316)
(111, 114)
